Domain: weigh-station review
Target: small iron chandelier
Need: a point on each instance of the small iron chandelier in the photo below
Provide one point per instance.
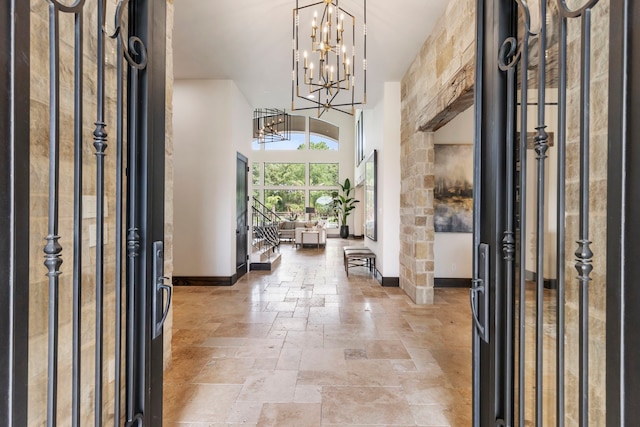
(330, 82)
(271, 125)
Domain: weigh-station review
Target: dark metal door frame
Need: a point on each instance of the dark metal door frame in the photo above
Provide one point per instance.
(623, 217)
(492, 378)
(148, 20)
(242, 212)
(14, 211)
(495, 22)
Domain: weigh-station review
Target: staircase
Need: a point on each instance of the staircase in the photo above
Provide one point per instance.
(265, 240)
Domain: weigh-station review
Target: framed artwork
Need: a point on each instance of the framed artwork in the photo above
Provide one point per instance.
(453, 191)
(371, 196)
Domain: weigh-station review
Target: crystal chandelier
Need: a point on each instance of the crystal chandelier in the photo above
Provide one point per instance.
(324, 59)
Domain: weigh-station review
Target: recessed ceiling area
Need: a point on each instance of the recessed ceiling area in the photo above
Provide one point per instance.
(249, 42)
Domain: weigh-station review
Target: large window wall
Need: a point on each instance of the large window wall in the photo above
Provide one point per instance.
(291, 176)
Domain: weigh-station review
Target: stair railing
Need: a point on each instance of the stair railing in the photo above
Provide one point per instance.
(266, 225)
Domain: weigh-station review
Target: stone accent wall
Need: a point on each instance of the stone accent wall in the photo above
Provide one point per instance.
(416, 217)
(437, 86)
(39, 142)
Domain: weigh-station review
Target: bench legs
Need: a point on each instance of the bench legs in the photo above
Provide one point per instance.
(359, 257)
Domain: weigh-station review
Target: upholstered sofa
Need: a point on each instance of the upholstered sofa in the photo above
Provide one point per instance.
(287, 229)
(292, 230)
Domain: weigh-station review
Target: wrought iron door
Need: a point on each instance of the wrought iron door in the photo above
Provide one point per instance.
(89, 75)
(548, 213)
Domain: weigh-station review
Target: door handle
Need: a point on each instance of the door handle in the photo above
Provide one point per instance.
(160, 289)
(480, 285)
(477, 288)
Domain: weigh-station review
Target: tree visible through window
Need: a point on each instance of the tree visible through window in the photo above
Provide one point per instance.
(285, 202)
(288, 188)
(322, 200)
(323, 174)
(255, 173)
(289, 174)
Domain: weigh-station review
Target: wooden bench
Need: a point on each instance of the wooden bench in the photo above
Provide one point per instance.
(359, 256)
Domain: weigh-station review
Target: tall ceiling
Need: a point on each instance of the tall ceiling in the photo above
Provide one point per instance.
(249, 42)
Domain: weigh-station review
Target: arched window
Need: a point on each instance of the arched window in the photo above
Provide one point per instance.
(323, 135)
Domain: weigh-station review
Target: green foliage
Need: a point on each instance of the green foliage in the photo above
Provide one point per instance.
(344, 203)
(282, 201)
(255, 173)
(324, 208)
(272, 201)
(323, 173)
(319, 145)
(284, 174)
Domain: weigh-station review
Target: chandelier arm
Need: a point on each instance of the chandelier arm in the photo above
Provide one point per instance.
(335, 74)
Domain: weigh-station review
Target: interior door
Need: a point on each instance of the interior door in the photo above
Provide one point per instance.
(544, 130)
(89, 141)
(242, 203)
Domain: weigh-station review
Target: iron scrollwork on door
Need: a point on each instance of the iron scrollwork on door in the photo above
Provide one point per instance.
(540, 56)
(132, 51)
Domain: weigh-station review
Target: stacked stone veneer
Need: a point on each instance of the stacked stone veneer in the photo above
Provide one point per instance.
(437, 86)
(39, 164)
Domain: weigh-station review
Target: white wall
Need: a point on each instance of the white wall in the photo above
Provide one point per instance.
(453, 252)
(211, 122)
(382, 133)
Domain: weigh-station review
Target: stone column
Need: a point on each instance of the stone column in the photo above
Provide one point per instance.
(416, 215)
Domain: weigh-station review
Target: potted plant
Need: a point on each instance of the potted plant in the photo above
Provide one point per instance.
(343, 205)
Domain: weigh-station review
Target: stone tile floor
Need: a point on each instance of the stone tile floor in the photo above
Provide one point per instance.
(304, 345)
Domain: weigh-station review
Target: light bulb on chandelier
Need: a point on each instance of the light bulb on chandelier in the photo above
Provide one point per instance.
(334, 86)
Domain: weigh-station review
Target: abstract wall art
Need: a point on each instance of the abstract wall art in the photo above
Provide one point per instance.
(453, 192)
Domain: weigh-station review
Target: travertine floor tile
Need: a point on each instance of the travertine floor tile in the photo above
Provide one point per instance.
(225, 371)
(204, 402)
(365, 405)
(386, 349)
(290, 414)
(265, 386)
(304, 345)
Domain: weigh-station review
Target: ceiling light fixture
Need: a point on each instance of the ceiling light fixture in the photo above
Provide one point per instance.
(271, 125)
(332, 78)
